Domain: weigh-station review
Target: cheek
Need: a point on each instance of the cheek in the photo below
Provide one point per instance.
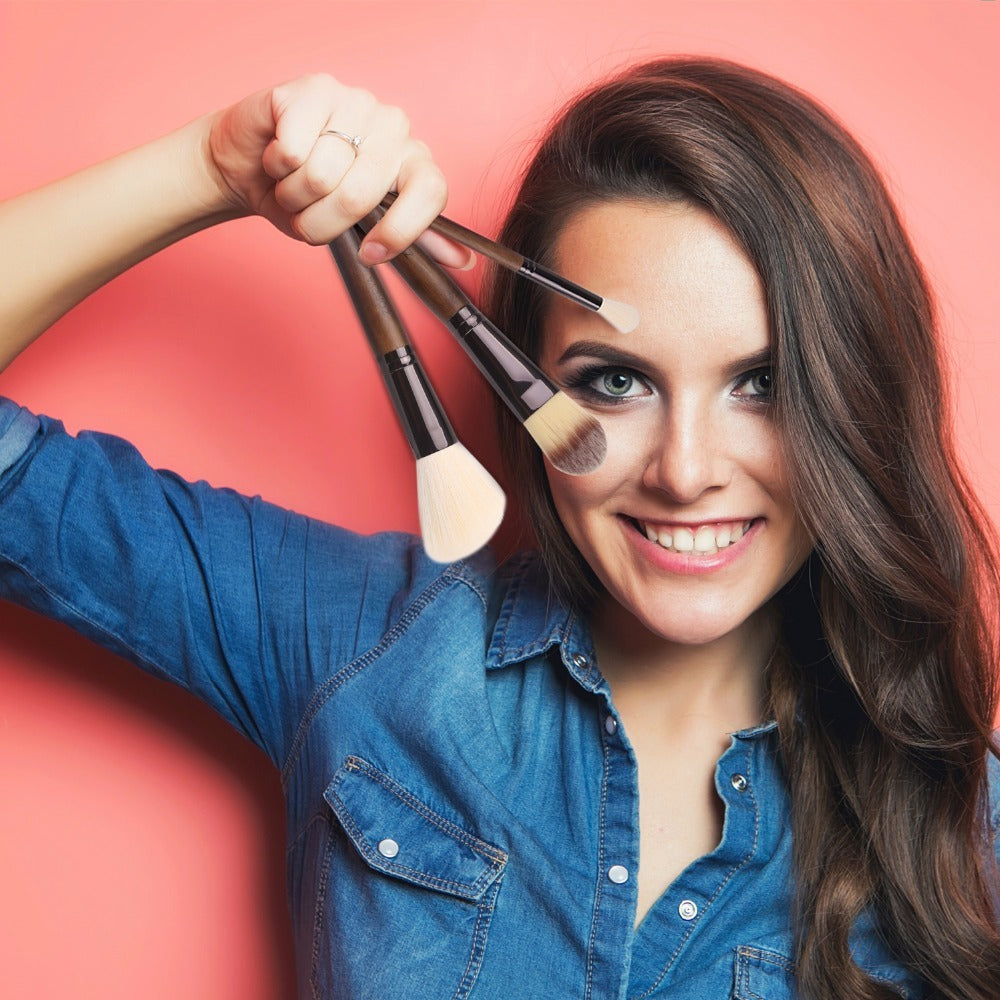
(575, 496)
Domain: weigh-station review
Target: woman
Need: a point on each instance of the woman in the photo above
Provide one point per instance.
(731, 737)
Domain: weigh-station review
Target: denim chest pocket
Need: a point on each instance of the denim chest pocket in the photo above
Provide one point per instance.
(405, 895)
(761, 974)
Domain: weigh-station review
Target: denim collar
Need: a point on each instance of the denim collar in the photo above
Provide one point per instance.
(531, 621)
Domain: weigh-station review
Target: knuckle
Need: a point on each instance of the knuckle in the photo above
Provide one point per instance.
(436, 186)
(309, 232)
(315, 178)
(396, 119)
(355, 200)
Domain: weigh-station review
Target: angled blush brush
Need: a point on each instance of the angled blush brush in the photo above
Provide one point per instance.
(459, 502)
(623, 317)
(572, 440)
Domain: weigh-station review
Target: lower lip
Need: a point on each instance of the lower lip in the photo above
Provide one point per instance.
(690, 563)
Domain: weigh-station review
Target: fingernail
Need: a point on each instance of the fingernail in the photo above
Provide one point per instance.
(470, 263)
(373, 253)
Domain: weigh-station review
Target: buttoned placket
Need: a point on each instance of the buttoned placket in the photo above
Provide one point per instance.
(670, 926)
(617, 857)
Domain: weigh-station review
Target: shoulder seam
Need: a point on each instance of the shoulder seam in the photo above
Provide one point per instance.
(326, 689)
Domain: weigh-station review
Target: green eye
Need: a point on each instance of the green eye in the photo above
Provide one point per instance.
(617, 382)
(757, 385)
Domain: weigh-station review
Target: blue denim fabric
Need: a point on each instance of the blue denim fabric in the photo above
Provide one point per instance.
(458, 783)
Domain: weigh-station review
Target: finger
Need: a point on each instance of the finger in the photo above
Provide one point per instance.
(423, 192)
(324, 169)
(445, 252)
(302, 110)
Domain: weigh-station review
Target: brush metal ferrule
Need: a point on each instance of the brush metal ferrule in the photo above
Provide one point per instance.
(423, 420)
(512, 374)
(570, 289)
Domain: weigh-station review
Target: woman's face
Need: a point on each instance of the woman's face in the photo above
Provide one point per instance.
(688, 523)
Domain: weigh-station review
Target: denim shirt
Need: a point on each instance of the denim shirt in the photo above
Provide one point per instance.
(461, 795)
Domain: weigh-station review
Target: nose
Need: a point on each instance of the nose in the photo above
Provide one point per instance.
(687, 454)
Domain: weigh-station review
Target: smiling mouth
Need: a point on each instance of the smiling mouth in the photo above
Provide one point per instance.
(705, 540)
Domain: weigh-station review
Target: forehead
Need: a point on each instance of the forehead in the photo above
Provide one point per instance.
(674, 261)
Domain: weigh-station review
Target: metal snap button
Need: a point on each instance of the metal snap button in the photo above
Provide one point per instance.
(688, 909)
(739, 782)
(580, 661)
(610, 725)
(618, 874)
(388, 848)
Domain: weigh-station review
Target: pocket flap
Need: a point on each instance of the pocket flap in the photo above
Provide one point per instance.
(399, 835)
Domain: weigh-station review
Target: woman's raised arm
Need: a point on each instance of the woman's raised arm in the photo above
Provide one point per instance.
(284, 153)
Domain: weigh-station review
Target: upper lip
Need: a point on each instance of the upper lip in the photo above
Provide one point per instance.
(693, 525)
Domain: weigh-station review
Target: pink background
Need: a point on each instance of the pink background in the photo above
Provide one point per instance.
(141, 844)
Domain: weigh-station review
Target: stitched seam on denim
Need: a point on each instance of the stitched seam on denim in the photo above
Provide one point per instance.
(744, 955)
(600, 871)
(324, 691)
(414, 875)
(715, 895)
(479, 932)
(536, 645)
(319, 912)
(497, 855)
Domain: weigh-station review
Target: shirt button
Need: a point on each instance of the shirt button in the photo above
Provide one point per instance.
(610, 726)
(739, 782)
(580, 661)
(388, 848)
(688, 909)
(618, 874)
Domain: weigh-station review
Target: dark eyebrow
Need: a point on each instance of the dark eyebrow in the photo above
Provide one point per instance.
(617, 356)
(605, 352)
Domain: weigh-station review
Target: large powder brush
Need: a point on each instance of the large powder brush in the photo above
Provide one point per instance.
(460, 504)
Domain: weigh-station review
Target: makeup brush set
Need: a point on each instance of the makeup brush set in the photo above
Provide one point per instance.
(460, 504)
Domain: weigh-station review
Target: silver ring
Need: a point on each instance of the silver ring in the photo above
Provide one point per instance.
(354, 141)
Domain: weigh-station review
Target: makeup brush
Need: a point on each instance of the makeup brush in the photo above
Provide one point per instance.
(460, 504)
(572, 440)
(623, 317)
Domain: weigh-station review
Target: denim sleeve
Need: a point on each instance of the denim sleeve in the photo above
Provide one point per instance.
(244, 604)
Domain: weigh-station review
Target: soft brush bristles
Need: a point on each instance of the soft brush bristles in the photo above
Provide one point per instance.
(623, 317)
(573, 440)
(461, 505)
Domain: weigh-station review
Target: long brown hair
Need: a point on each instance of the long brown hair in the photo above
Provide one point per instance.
(884, 690)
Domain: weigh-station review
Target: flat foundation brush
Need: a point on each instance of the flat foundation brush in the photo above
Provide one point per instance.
(623, 317)
(459, 502)
(572, 440)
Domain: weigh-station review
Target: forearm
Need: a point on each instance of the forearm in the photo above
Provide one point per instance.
(61, 242)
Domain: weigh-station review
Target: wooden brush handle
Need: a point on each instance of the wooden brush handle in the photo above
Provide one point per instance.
(420, 413)
(375, 310)
(504, 256)
(441, 295)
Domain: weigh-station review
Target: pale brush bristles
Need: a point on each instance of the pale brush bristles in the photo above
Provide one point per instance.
(623, 317)
(461, 505)
(572, 440)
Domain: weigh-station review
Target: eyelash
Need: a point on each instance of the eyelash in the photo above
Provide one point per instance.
(582, 382)
(758, 397)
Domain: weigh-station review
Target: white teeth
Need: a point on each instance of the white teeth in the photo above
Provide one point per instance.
(708, 539)
(704, 539)
(683, 539)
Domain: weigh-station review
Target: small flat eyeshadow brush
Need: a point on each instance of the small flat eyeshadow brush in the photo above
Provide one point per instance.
(459, 502)
(623, 317)
(572, 439)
